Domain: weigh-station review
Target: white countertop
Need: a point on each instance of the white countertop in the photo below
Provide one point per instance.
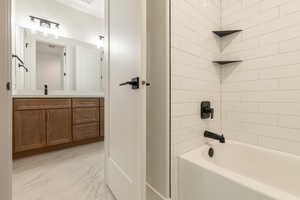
(56, 96)
(59, 95)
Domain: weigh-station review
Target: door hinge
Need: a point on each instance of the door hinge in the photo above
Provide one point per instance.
(8, 86)
(65, 54)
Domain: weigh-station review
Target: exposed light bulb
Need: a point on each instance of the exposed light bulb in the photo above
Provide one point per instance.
(34, 25)
(100, 43)
(45, 32)
(45, 29)
(56, 35)
(55, 30)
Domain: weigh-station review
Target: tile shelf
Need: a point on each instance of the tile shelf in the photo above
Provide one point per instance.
(225, 62)
(223, 34)
(226, 32)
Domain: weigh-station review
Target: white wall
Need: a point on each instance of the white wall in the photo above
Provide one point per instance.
(5, 104)
(87, 69)
(158, 98)
(74, 24)
(194, 77)
(18, 48)
(261, 96)
(152, 194)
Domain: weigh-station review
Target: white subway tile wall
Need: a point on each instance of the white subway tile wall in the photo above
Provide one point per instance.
(194, 77)
(261, 96)
(256, 101)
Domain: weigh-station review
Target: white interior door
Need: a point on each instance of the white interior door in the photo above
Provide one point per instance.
(126, 163)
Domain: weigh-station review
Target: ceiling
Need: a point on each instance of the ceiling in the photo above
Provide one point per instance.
(92, 7)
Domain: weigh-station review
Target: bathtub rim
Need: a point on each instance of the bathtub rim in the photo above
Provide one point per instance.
(251, 183)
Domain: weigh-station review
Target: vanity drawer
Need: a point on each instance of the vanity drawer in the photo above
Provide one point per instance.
(85, 102)
(86, 115)
(39, 104)
(86, 131)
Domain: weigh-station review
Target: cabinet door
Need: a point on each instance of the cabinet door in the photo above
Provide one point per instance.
(85, 131)
(59, 126)
(29, 130)
(102, 121)
(86, 115)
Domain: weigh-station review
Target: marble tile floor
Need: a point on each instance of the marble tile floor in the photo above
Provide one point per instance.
(71, 174)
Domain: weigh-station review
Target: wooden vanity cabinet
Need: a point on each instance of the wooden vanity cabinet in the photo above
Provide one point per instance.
(58, 125)
(41, 122)
(102, 121)
(86, 115)
(29, 130)
(86, 118)
(86, 131)
(41, 125)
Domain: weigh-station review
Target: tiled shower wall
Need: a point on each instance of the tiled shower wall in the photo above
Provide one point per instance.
(261, 96)
(256, 101)
(194, 77)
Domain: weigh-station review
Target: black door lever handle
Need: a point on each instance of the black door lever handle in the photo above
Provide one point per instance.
(127, 83)
(135, 83)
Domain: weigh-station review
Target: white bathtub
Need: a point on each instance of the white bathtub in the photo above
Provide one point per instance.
(238, 172)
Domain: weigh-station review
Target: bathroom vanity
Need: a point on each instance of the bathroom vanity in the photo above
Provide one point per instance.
(57, 85)
(46, 124)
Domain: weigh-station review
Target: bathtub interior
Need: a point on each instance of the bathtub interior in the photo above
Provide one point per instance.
(279, 170)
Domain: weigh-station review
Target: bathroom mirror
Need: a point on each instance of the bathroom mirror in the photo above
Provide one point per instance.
(50, 61)
(64, 64)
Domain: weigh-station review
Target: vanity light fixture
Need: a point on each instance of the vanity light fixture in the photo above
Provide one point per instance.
(45, 26)
(100, 42)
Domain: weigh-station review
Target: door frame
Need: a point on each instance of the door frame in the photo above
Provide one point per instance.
(142, 138)
(5, 101)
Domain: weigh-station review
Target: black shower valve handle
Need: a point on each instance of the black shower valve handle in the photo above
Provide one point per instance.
(211, 112)
(206, 110)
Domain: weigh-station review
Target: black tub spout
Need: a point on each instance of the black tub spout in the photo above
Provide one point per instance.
(214, 136)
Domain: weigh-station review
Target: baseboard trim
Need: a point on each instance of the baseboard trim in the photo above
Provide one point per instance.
(156, 192)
